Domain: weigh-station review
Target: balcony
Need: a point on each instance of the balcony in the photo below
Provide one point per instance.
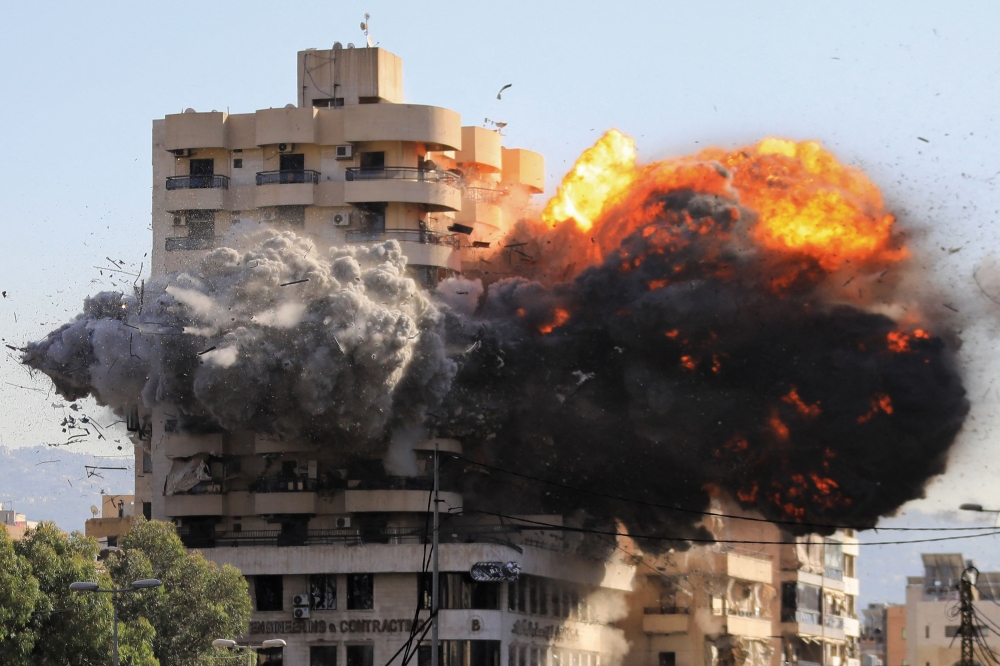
(402, 235)
(395, 501)
(184, 445)
(286, 188)
(436, 190)
(194, 505)
(754, 627)
(658, 620)
(196, 193)
(99, 528)
(359, 537)
(480, 146)
(292, 502)
(437, 128)
(192, 243)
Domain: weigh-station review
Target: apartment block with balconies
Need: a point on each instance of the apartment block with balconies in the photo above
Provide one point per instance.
(348, 163)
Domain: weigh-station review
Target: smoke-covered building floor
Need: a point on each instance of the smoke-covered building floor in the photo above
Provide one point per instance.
(735, 332)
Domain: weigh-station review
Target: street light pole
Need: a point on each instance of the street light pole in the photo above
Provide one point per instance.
(81, 586)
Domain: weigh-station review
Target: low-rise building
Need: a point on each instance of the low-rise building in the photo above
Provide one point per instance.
(117, 512)
(15, 523)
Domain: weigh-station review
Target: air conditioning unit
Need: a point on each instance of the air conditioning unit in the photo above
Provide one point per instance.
(300, 600)
(180, 220)
(341, 219)
(286, 147)
(343, 522)
(182, 152)
(345, 152)
(300, 613)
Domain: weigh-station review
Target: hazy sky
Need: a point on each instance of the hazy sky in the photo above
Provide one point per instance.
(82, 82)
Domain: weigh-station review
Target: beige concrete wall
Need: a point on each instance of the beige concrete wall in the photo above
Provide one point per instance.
(100, 528)
(436, 127)
(350, 74)
(895, 639)
(524, 167)
(285, 503)
(433, 195)
(193, 505)
(194, 130)
(183, 445)
(285, 125)
(481, 147)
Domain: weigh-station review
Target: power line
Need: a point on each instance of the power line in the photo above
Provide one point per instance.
(709, 513)
(654, 537)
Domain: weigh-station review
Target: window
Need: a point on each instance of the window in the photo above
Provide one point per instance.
(368, 100)
(360, 595)
(543, 597)
(292, 162)
(270, 656)
(328, 103)
(238, 163)
(800, 603)
(533, 595)
(147, 510)
(927, 631)
(200, 224)
(147, 462)
(270, 593)
(361, 655)
(471, 653)
(459, 591)
(373, 160)
(323, 655)
(668, 659)
(833, 560)
(202, 167)
(949, 632)
(323, 592)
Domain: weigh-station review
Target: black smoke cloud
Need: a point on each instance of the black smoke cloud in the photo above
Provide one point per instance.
(677, 370)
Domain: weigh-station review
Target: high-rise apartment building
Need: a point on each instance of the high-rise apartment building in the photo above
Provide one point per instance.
(335, 548)
(757, 603)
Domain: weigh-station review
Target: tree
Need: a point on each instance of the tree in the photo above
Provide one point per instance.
(43, 623)
(19, 596)
(199, 600)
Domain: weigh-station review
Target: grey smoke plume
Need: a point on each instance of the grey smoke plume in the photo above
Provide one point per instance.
(273, 339)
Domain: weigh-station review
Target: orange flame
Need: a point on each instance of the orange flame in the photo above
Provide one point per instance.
(559, 317)
(603, 171)
(778, 426)
(810, 411)
(810, 203)
(900, 342)
(880, 403)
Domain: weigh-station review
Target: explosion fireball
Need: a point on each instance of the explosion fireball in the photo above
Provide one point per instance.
(715, 321)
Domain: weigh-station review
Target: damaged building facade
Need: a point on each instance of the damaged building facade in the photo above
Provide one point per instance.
(747, 604)
(336, 550)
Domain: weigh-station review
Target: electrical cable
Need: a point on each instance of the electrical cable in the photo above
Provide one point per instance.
(582, 530)
(709, 513)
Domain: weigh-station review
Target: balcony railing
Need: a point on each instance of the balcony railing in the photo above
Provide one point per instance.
(192, 243)
(483, 195)
(802, 617)
(833, 621)
(410, 235)
(287, 177)
(666, 610)
(404, 173)
(344, 537)
(197, 182)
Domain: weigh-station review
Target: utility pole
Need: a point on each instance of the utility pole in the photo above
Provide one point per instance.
(967, 630)
(434, 576)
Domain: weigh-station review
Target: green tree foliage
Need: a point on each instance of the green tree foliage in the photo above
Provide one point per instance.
(19, 596)
(199, 601)
(43, 623)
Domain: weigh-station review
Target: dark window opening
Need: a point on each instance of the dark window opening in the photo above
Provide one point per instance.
(270, 592)
(112, 541)
(368, 100)
(270, 656)
(237, 527)
(201, 223)
(328, 103)
(800, 603)
(372, 217)
(373, 160)
(147, 462)
(238, 163)
(147, 510)
(459, 591)
(294, 532)
(360, 592)
(201, 173)
(323, 655)
(462, 653)
(323, 592)
(292, 215)
(668, 659)
(292, 162)
(361, 655)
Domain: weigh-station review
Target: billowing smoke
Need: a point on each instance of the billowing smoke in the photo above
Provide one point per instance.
(686, 359)
(273, 339)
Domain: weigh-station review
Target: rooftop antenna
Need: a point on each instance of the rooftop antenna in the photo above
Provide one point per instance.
(364, 29)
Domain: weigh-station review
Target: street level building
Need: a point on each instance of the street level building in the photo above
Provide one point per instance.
(756, 605)
(117, 513)
(336, 550)
(15, 523)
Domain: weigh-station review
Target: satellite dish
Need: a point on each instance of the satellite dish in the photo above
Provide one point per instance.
(94, 510)
(371, 42)
(189, 110)
(289, 106)
(364, 26)
(337, 46)
(350, 45)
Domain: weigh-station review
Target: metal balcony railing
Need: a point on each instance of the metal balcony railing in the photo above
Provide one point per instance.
(197, 182)
(287, 177)
(802, 617)
(344, 537)
(833, 621)
(192, 243)
(404, 173)
(483, 195)
(666, 610)
(410, 235)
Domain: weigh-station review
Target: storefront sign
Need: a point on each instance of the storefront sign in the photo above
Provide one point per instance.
(323, 627)
(548, 631)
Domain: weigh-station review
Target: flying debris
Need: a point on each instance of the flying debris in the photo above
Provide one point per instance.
(502, 89)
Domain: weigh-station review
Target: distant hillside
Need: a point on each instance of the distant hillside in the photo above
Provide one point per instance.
(51, 483)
